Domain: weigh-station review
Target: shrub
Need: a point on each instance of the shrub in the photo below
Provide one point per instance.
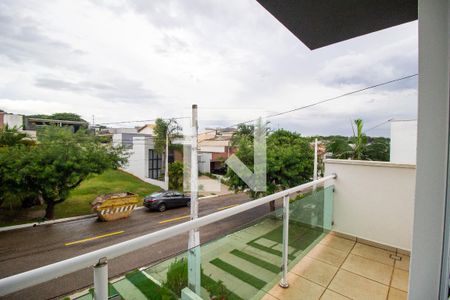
(176, 175)
(177, 276)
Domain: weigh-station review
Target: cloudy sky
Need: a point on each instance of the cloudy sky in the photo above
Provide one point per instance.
(128, 60)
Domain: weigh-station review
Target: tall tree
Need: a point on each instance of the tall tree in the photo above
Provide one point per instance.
(359, 140)
(164, 132)
(290, 161)
(57, 164)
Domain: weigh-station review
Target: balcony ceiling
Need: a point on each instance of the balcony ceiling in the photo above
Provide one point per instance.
(319, 23)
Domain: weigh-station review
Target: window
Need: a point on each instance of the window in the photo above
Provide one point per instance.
(154, 164)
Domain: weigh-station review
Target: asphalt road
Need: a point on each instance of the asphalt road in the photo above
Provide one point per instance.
(30, 248)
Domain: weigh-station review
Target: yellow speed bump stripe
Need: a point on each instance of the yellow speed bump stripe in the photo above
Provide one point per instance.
(229, 206)
(174, 219)
(93, 238)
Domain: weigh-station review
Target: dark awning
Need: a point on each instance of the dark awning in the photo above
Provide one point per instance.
(319, 23)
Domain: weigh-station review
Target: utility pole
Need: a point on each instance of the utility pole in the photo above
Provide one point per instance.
(315, 163)
(194, 259)
(93, 123)
(166, 162)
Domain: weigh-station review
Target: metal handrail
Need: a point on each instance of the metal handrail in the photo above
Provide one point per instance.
(46, 273)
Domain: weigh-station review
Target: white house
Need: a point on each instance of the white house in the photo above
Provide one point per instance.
(143, 161)
(403, 141)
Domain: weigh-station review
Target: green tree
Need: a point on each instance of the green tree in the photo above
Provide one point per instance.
(12, 137)
(339, 148)
(378, 150)
(165, 132)
(290, 161)
(171, 128)
(243, 131)
(56, 165)
(60, 116)
(176, 175)
(359, 140)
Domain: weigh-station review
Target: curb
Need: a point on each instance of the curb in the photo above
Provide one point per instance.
(34, 224)
(214, 196)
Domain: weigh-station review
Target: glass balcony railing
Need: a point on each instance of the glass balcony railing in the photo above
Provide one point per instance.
(242, 265)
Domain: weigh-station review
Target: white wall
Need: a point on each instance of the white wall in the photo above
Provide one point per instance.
(138, 158)
(215, 149)
(429, 253)
(204, 162)
(374, 200)
(403, 141)
(13, 120)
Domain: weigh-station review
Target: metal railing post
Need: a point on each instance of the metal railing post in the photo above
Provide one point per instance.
(101, 280)
(284, 282)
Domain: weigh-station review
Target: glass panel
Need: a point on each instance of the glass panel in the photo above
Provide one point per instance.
(310, 219)
(247, 263)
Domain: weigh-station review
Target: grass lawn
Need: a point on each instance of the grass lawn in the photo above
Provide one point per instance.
(111, 181)
(79, 201)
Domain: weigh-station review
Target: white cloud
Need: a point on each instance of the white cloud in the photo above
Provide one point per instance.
(132, 60)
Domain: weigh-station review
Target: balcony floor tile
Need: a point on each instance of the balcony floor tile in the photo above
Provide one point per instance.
(395, 294)
(400, 280)
(338, 243)
(368, 268)
(328, 255)
(315, 270)
(344, 269)
(330, 295)
(357, 287)
(373, 253)
(299, 288)
(404, 263)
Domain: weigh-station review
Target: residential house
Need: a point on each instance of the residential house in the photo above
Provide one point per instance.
(214, 147)
(143, 161)
(30, 125)
(147, 129)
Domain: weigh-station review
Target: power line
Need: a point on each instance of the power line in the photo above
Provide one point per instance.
(327, 99)
(283, 112)
(380, 124)
(340, 96)
(141, 121)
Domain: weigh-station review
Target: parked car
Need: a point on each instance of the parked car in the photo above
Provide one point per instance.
(164, 200)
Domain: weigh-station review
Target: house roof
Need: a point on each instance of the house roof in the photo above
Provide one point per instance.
(41, 120)
(152, 126)
(319, 23)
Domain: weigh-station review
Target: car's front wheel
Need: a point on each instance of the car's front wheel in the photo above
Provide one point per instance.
(162, 207)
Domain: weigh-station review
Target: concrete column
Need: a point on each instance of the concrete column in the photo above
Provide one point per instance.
(432, 151)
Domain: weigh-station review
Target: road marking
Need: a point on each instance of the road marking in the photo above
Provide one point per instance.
(229, 206)
(93, 238)
(174, 219)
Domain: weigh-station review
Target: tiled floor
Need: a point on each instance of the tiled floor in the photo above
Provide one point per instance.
(340, 268)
